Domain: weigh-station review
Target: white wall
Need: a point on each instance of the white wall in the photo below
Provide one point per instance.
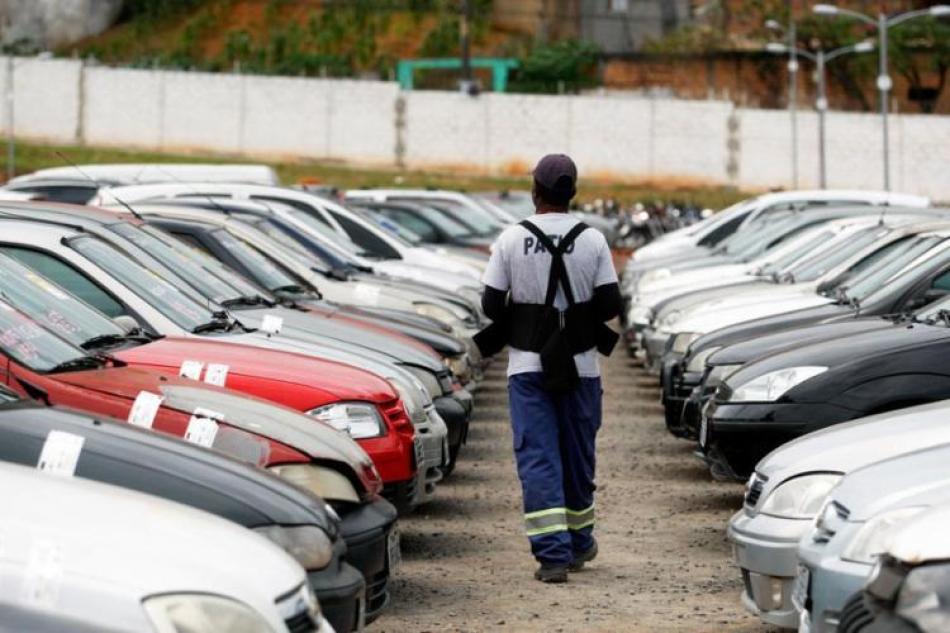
(371, 122)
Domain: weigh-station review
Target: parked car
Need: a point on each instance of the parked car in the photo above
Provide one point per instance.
(365, 406)
(863, 513)
(790, 485)
(367, 236)
(431, 224)
(907, 590)
(132, 173)
(780, 397)
(915, 276)
(80, 555)
(151, 463)
(485, 217)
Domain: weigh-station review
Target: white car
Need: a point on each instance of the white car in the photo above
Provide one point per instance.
(731, 219)
(790, 485)
(366, 234)
(79, 555)
(484, 211)
(132, 173)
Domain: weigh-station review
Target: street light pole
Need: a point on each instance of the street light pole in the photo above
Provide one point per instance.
(793, 95)
(884, 83)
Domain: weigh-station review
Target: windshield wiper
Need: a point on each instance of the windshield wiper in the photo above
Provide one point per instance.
(103, 340)
(83, 362)
(293, 289)
(245, 300)
(213, 326)
(944, 315)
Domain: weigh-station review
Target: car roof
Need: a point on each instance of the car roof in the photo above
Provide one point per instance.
(821, 195)
(159, 172)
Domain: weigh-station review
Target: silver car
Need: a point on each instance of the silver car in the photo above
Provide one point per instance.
(791, 483)
(855, 526)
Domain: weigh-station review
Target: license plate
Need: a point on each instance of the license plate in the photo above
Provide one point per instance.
(420, 453)
(800, 591)
(703, 431)
(393, 553)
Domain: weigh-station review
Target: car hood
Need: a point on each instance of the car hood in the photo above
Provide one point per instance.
(843, 448)
(331, 380)
(765, 344)
(687, 278)
(722, 313)
(918, 478)
(324, 329)
(840, 352)
(740, 332)
(441, 259)
(440, 278)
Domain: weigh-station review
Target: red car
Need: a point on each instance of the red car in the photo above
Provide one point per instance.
(335, 393)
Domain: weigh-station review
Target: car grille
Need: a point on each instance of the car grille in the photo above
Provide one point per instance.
(755, 491)
(300, 623)
(377, 594)
(855, 615)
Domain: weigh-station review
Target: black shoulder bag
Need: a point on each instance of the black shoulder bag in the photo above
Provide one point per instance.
(551, 337)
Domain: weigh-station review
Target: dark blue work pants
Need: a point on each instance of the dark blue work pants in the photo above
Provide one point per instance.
(554, 439)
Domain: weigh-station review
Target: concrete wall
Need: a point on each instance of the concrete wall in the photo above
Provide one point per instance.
(367, 122)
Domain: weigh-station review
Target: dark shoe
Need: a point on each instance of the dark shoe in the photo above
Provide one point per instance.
(551, 573)
(583, 557)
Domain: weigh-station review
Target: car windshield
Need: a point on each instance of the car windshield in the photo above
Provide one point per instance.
(791, 251)
(263, 270)
(57, 310)
(23, 340)
(746, 247)
(445, 223)
(814, 267)
(518, 204)
(339, 240)
(875, 276)
(480, 220)
(198, 277)
(160, 294)
(398, 231)
(206, 261)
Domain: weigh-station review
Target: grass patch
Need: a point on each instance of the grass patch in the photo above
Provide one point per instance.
(31, 156)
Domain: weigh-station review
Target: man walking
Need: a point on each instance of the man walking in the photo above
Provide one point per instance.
(550, 286)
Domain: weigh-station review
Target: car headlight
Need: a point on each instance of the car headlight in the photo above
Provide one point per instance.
(325, 483)
(771, 386)
(202, 613)
(308, 544)
(430, 381)
(640, 315)
(698, 361)
(924, 598)
(460, 367)
(359, 420)
(874, 537)
(437, 312)
(801, 497)
(683, 340)
(719, 373)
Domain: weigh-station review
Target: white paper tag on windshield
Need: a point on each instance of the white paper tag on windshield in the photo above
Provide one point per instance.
(43, 575)
(47, 286)
(271, 324)
(202, 427)
(191, 369)
(216, 374)
(144, 409)
(367, 294)
(60, 453)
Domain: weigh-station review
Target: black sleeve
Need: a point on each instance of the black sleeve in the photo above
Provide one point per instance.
(607, 301)
(494, 302)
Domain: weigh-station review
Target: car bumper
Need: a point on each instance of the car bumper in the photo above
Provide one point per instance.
(766, 551)
(654, 345)
(833, 582)
(678, 386)
(367, 531)
(456, 420)
(342, 594)
(739, 435)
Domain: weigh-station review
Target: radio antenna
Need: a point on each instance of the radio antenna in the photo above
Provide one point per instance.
(97, 183)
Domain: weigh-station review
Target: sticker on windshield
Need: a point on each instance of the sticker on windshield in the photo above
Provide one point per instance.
(60, 453)
(191, 369)
(216, 374)
(271, 324)
(144, 409)
(47, 286)
(367, 294)
(43, 574)
(203, 427)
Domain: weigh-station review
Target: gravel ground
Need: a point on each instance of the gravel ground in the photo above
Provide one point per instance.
(664, 560)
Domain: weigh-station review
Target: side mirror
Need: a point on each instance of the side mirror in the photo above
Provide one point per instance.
(127, 323)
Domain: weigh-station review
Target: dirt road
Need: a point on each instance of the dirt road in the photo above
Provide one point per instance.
(664, 561)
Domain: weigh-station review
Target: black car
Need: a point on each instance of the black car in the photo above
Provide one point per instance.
(864, 296)
(166, 467)
(785, 395)
(431, 224)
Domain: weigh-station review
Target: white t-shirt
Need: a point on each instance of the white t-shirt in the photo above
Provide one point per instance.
(519, 263)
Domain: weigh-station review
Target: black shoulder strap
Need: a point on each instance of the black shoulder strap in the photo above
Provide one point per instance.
(558, 272)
